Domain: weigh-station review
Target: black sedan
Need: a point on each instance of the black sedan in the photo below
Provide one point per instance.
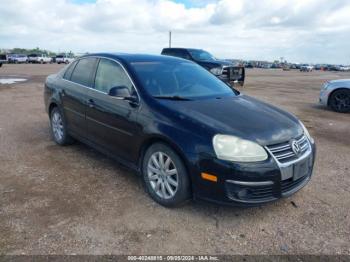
(186, 132)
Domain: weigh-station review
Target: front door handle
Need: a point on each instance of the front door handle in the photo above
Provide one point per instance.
(91, 103)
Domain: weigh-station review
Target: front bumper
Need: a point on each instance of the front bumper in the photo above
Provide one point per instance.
(254, 184)
(233, 75)
(324, 94)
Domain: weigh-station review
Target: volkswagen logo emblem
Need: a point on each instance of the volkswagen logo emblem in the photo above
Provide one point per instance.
(295, 147)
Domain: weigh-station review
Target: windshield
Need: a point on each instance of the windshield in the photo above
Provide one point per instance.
(201, 55)
(179, 79)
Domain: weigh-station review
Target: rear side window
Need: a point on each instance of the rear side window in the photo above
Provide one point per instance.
(83, 71)
(177, 52)
(110, 74)
(182, 53)
(168, 52)
(68, 73)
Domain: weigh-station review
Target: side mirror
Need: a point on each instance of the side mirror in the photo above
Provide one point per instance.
(119, 91)
(122, 92)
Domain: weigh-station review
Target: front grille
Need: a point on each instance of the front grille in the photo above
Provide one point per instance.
(289, 184)
(283, 152)
(258, 194)
(261, 192)
(250, 193)
(232, 73)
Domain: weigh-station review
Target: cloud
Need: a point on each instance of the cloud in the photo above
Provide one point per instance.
(299, 30)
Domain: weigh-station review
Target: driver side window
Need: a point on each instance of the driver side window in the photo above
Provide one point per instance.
(110, 74)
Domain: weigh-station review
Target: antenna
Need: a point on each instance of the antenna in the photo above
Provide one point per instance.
(169, 39)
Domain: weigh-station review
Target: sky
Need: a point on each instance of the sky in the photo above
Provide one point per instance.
(305, 31)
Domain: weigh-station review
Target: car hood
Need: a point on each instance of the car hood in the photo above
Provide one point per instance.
(340, 81)
(215, 63)
(242, 116)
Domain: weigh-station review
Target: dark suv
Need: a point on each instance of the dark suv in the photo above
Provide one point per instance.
(3, 59)
(224, 70)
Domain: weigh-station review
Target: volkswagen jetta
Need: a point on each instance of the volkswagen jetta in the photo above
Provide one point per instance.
(186, 132)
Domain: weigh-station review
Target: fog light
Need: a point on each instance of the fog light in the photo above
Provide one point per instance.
(242, 193)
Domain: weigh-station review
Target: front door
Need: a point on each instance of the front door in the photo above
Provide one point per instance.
(111, 120)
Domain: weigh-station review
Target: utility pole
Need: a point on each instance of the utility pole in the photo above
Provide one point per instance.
(169, 39)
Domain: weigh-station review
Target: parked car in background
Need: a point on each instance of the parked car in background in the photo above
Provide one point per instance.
(3, 59)
(344, 68)
(306, 68)
(224, 70)
(64, 59)
(39, 58)
(336, 95)
(318, 67)
(275, 66)
(17, 58)
(267, 66)
(187, 133)
(286, 67)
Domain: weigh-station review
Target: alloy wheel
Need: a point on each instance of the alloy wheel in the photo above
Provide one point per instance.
(57, 126)
(342, 101)
(163, 175)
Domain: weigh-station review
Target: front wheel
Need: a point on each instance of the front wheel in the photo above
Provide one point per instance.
(165, 176)
(340, 101)
(59, 128)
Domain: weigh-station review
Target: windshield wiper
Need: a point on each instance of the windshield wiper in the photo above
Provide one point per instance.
(178, 98)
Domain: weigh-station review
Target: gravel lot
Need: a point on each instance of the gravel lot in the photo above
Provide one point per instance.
(73, 200)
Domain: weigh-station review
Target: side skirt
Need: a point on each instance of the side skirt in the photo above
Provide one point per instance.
(134, 167)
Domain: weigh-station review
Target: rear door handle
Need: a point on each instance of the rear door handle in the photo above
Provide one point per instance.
(91, 103)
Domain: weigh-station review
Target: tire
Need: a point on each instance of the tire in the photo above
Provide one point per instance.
(169, 186)
(59, 128)
(340, 101)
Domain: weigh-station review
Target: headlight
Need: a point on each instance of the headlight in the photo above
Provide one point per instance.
(306, 132)
(236, 149)
(216, 71)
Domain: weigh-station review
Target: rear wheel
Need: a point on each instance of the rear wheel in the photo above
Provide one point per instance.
(165, 176)
(340, 101)
(59, 128)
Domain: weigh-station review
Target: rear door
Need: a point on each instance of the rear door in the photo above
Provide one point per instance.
(78, 80)
(111, 120)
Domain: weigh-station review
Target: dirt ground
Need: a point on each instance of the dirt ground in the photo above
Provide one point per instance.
(73, 200)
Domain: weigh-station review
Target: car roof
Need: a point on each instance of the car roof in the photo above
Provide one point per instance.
(132, 58)
(182, 48)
